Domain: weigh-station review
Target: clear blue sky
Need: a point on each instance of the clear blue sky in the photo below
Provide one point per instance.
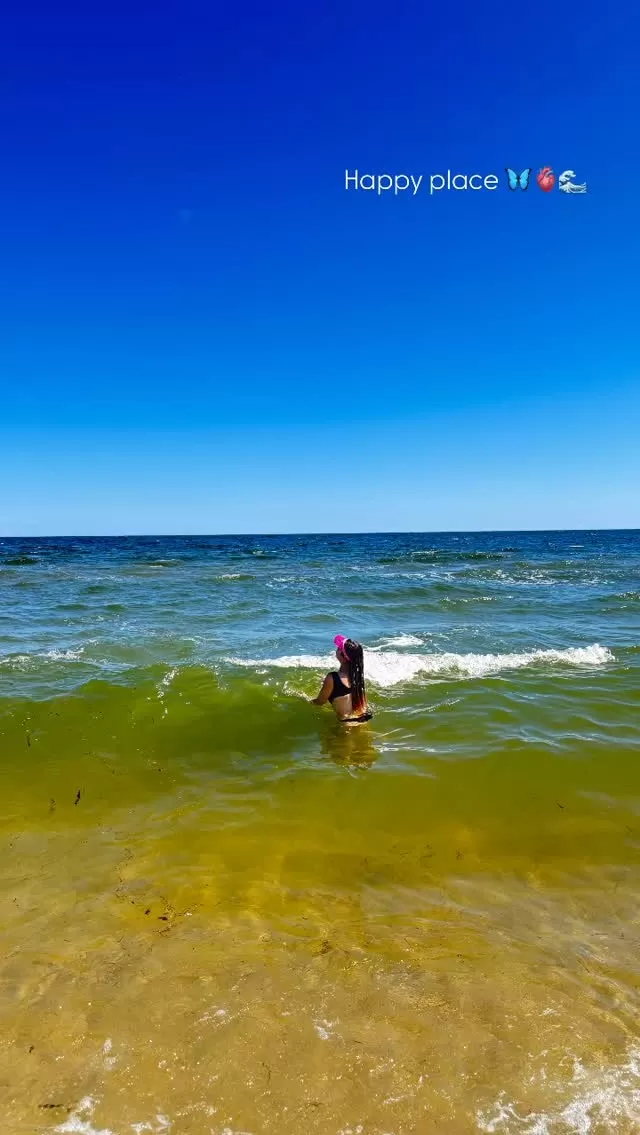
(201, 331)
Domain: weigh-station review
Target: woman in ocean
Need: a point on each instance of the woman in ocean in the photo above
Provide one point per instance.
(344, 688)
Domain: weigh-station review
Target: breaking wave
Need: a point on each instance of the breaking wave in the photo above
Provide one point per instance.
(390, 668)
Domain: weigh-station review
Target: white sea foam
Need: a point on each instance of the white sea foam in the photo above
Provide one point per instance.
(161, 1126)
(165, 682)
(22, 661)
(400, 640)
(66, 655)
(324, 1028)
(599, 1099)
(79, 1122)
(390, 668)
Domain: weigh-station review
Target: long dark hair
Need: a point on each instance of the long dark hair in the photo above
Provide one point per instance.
(353, 653)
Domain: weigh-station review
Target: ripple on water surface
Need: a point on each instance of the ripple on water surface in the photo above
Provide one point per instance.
(223, 912)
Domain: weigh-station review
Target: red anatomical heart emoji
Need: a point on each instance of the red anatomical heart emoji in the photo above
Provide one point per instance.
(546, 178)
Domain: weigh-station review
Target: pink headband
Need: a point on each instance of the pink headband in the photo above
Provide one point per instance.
(339, 641)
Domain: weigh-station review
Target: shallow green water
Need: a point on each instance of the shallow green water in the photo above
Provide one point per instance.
(224, 912)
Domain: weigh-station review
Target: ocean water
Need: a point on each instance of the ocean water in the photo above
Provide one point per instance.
(225, 914)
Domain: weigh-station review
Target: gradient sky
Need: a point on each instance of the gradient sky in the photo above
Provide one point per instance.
(201, 331)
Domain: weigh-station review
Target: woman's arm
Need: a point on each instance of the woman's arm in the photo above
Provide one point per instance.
(325, 692)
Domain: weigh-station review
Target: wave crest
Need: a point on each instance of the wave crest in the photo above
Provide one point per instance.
(390, 668)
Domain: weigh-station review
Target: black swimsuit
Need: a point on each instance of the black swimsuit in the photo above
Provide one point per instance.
(340, 691)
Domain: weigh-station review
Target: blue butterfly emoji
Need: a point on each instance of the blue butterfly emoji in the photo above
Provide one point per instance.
(518, 182)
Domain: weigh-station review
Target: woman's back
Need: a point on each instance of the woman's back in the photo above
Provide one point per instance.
(344, 689)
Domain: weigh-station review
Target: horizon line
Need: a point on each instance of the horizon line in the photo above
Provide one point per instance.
(367, 532)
